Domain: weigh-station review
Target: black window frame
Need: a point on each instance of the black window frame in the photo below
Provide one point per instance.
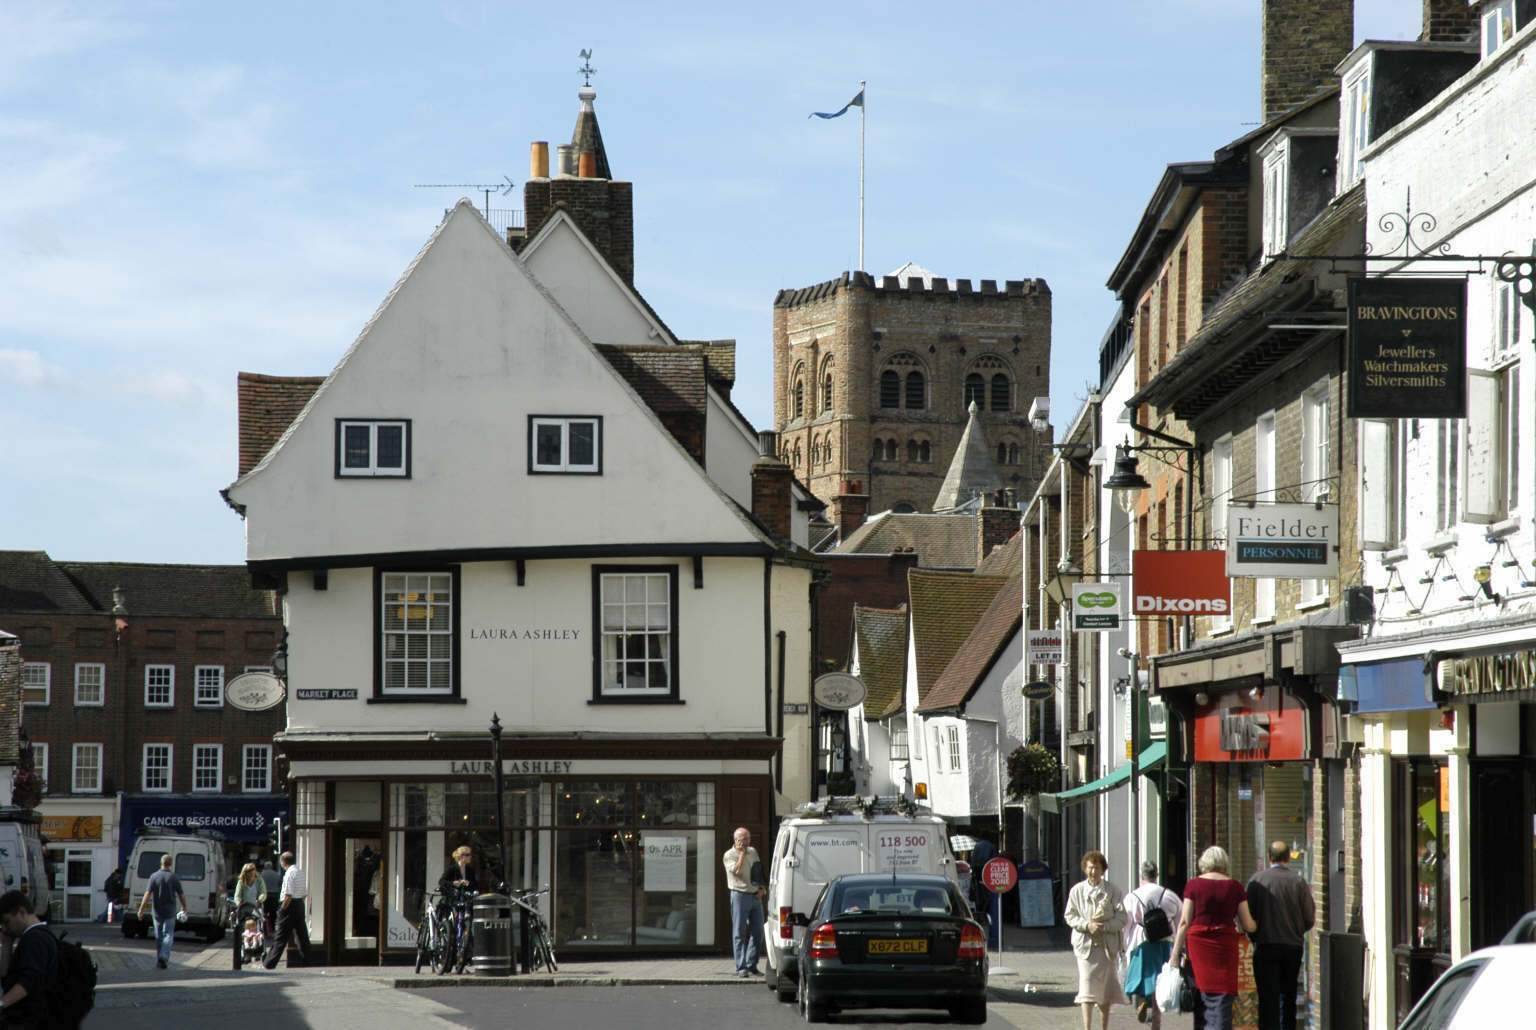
(890, 389)
(674, 695)
(1000, 392)
(915, 391)
(340, 471)
(533, 443)
(974, 389)
(453, 696)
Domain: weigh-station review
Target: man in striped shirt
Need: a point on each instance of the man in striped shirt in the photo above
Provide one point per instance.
(290, 914)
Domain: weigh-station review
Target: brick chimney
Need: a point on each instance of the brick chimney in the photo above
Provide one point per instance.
(1448, 21)
(1301, 42)
(994, 525)
(771, 485)
(850, 507)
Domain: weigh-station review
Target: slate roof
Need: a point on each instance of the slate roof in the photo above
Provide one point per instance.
(987, 639)
(267, 405)
(176, 591)
(587, 137)
(945, 608)
(882, 643)
(31, 582)
(939, 541)
(972, 471)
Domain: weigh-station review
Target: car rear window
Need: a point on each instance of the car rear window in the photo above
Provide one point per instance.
(190, 867)
(897, 899)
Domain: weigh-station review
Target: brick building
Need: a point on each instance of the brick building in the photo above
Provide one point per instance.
(872, 380)
(123, 674)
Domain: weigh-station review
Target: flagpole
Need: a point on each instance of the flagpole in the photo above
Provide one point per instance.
(863, 107)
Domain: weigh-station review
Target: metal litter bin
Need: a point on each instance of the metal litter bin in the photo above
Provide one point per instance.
(492, 921)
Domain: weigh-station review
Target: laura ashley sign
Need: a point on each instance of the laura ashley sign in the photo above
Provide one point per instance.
(1407, 348)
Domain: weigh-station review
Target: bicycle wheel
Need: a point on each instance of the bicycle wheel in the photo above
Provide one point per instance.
(423, 942)
(447, 947)
(544, 951)
(466, 949)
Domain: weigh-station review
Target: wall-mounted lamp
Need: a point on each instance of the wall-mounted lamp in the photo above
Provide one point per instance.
(1059, 587)
(1126, 484)
(1482, 575)
(1202, 698)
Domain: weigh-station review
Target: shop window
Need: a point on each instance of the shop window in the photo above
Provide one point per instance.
(418, 614)
(634, 608)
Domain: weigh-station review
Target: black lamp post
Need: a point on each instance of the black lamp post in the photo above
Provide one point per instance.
(501, 833)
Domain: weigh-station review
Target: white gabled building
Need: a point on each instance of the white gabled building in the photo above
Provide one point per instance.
(518, 495)
(1445, 683)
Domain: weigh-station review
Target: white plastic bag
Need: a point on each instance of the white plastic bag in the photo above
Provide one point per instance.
(1170, 984)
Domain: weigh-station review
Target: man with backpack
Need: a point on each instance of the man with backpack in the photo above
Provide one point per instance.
(1151, 912)
(34, 964)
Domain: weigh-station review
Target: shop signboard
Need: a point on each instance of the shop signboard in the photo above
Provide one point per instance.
(1180, 583)
(838, 691)
(1407, 348)
(1096, 607)
(1235, 729)
(1283, 541)
(1488, 675)
(72, 828)
(1045, 647)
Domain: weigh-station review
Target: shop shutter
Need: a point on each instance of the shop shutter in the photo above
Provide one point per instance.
(1481, 496)
(1286, 809)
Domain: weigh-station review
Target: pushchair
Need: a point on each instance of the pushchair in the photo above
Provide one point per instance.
(254, 948)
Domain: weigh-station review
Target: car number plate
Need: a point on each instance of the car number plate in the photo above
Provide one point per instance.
(895, 947)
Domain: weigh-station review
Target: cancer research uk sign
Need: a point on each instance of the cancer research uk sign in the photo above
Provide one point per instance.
(1283, 541)
(1180, 583)
(1407, 348)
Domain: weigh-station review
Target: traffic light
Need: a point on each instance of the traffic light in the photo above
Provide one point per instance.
(275, 835)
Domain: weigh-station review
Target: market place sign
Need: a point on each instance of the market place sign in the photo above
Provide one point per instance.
(1096, 607)
(1180, 583)
(1407, 348)
(1283, 541)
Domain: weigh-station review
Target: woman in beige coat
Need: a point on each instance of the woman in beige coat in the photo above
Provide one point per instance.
(1096, 914)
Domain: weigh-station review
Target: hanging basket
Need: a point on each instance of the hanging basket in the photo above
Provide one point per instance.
(1032, 770)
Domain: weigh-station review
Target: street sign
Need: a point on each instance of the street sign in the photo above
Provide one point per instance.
(1096, 607)
(999, 875)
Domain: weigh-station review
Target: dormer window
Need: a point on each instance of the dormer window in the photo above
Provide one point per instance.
(1502, 19)
(1354, 124)
(373, 448)
(1298, 166)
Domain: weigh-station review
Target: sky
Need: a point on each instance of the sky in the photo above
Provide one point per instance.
(191, 190)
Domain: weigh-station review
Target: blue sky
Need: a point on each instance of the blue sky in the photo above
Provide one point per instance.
(190, 190)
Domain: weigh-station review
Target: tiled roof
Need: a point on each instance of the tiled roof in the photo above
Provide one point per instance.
(720, 356)
(1004, 560)
(939, 541)
(267, 406)
(668, 378)
(10, 699)
(882, 643)
(31, 582)
(185, 591)
(945, 608)
(986, 641)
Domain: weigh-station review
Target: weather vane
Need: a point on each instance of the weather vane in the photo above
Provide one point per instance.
(586, 70)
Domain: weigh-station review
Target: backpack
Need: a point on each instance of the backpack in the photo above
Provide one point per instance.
(1154, 921)
(73, 991)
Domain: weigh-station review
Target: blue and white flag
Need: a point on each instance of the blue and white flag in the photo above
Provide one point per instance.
(857, 101)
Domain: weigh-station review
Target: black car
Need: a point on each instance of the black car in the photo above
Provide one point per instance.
(892, 940)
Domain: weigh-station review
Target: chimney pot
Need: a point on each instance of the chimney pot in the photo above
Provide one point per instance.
(564, 159)
(538, 160)
(586, 165)
(768, 443)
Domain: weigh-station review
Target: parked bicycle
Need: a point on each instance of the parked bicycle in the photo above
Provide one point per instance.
(461, 931)
(541, 951)
(432, 945)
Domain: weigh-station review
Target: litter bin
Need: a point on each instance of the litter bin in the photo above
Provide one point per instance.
(492, 920)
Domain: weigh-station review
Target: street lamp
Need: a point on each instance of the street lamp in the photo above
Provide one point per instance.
(1126, 484)
(1133, 692)
(1059, 587)
(501, 835)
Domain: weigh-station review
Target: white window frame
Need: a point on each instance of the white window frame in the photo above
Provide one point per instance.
(145, 768)
(952, 740)
(262, 755)
(1264, 490)
(1499, 25)
(418, 633)
(203, 679)
(1276, 169)
(1354, 114)
(151, 689)
(1221, 490)
(1383, 451)
(76, 784)
(37, 676)
(619, 605)
(201, 767)
(82, 697)
(1316, 485)
(1448, 473)
(373, 470)
(565, 465)
(40, 762)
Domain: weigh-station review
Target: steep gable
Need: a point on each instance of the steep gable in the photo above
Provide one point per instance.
(880, 637)
(945, 608)
(987, 639)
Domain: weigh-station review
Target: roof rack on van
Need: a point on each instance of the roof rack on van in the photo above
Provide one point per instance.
(18, 814)
(867, 805)
(156, 830)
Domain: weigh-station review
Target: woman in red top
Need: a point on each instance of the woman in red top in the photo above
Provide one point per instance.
(1212, 901)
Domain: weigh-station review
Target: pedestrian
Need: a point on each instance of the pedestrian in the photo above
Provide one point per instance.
(113, 889)
(1212, 901)
(1151, 912)
(170, 904)
(746, 901)
(34, 965)
(981, 898)
(249, 900)
(290, 914)
(274, 881)
(1096, 914)
(1281, 903)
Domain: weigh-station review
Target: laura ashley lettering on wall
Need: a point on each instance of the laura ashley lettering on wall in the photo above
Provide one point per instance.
(521, 633)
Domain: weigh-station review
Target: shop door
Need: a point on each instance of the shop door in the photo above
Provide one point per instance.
(1501, 848)
(79, 886)
(352, 913)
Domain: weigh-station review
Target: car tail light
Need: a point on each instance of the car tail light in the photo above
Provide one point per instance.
(972, 943)
(824, 942)
(786, 931)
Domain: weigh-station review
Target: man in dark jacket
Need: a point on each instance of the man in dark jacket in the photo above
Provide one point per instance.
(1281, 903)
(34, 964)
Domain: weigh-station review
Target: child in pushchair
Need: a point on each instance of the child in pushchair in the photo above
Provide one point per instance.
(253, 944)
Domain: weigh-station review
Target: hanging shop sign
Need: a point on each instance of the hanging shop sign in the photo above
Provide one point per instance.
(1180, 583)
(1488, 674)
(1038, 690)
(1407, 348)
(838, 691)
(1045, 647)
(1232, 729)
(1096, 607)
(254, 691)
(1283, 541)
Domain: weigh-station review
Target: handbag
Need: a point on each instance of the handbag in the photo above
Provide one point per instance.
(1170, 989)
(1189, 997)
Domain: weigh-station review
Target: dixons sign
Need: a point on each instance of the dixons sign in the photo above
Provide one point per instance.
(1180, 583)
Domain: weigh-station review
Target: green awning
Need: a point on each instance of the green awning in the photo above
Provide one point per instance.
(1151, 757)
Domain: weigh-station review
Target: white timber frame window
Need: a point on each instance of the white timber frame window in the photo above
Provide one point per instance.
(1316, 472)
(1383, 483)
(90, 684)
(635, 611)
(156, 769)
(1264, 490)
(208, 686)
(418, 619)
(1493, 420)
(85, 768)
(373, 448)
(898, 740)
(1448, 473)
(36, 683)
(1276, 164)
(565, 444)
(159, 686)
(1354, 128)
(207, 767)
(1500, 23)
(40, 763)
(256, 768)
(952, 741)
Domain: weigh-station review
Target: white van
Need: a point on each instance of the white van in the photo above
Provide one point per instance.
(23, 865)
(198, 861)
(828, 838)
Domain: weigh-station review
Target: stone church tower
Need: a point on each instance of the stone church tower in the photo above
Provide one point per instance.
(872, 382)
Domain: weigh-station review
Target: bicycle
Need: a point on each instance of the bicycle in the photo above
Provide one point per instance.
(432, 944)
(461, 931)
(540, 952)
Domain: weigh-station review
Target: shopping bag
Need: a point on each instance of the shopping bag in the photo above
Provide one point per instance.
(1170, 984)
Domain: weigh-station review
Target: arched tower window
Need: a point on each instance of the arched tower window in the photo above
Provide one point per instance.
(1002, 454)
(924, 451)
(916, 391)
(975, 391)
(1001, 393)
(1013, 454)
(826, 385)
(890, 389)
(797, 400)
(911, 450)
(891, 453)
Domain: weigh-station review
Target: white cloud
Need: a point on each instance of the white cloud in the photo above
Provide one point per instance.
(28, 368)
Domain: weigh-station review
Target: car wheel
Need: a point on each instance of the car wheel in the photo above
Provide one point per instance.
(786, 989)
(974, 1012)
(810, 1011)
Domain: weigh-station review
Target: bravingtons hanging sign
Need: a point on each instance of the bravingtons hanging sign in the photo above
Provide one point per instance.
(1407, 348)
(1283, 541)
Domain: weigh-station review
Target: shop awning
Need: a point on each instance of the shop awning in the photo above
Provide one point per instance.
(1151, 756)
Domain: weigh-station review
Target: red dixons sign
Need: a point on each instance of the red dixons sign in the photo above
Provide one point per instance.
(1235, 729)
(1180, 583)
